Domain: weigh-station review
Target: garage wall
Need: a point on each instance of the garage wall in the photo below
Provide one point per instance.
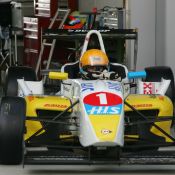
(87, 5)
(160, 32)
(165, 40)
(142, 16)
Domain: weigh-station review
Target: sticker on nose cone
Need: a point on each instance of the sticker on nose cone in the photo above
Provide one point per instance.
(102, 99)
(103, 103)
(103, 110)
(106, 131)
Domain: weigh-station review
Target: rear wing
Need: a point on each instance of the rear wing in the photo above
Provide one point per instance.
(79, 35)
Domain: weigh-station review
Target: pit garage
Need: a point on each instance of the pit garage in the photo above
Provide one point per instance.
(86, 87)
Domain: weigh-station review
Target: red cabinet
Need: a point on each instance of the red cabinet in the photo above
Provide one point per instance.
(32, 38)
(33, 26)
(48, 8)
(31, 44)
(45, 8)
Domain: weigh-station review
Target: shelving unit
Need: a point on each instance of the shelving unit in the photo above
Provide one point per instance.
(31, 44)
(45, 8)
(44, 11)
(48, 8)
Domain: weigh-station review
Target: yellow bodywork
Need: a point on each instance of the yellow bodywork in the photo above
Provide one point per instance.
(105, 123)
(53, 103)
(151, 102)
(109, 124)
(140, 102)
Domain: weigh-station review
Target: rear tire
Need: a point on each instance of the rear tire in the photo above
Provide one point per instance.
(154, 74)
(14, 73)
(12, 127)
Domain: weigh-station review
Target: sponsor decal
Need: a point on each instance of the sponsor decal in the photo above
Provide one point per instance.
(31, 98)
(149, 88)
(65, 88)
(87, 87)
(103, 110)
(40, 97)
(106, 131)
(161, 98)
(102, 99)
(142, 106)
(55, 106)
(95, 59)
(103, 103)
(85, 31)
(114, 86)
(7, 109)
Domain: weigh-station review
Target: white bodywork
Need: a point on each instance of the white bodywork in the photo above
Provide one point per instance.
(80, 89)
(30, 87)
(99, 101)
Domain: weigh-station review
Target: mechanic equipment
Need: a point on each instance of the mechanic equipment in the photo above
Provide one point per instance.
(112, 18)
(19, 10)
(62, 14)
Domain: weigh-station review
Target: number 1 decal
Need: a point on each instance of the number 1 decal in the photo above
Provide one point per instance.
(102, 98)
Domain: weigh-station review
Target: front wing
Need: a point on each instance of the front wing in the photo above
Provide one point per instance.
(70, 152)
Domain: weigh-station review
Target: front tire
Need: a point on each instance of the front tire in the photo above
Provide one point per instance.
(12, 119)
(14, 73)
(154, 74)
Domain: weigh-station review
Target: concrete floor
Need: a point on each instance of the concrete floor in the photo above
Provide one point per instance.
(84, 170)
(89, 170)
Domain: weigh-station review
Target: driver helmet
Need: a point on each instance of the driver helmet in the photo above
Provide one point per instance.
(93, 61)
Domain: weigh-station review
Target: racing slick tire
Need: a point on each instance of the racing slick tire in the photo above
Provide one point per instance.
(154, 74)
(12, 128)
(14, 73)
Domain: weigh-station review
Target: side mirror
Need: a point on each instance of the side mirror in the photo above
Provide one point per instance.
(138, 74)
(58, 75)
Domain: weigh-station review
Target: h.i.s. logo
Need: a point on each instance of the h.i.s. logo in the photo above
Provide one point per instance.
(103, 103)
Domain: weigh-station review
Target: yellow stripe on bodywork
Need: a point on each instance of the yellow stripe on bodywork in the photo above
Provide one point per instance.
(153, 102)
(34, 103)
(101, 123)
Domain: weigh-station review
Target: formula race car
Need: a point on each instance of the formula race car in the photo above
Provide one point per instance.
(100, 121)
